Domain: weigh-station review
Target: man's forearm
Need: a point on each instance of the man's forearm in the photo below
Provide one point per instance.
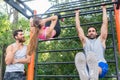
(105, 20)
(9, 59)
(78, 27)
(77, 19)
(23, 61)
(104, 27)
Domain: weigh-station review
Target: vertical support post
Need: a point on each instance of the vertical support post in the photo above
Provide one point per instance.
(117, 21)
(30, 72)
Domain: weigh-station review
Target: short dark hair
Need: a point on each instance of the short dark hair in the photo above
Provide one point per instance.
(92, 27)
(15, 33)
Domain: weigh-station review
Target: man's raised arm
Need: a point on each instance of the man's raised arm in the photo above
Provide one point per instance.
(104, 27)
(81, 34)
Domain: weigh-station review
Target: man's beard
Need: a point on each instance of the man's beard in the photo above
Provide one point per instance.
(21, 40)
(93, 37)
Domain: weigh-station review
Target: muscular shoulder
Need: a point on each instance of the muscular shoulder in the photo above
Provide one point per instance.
(10, 47)
(84, 41)
(103, 41)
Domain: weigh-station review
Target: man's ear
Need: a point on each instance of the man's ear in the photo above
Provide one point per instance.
(96, 33)
(87, 35)
(15, 37)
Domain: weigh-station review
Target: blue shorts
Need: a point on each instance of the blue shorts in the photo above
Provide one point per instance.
(104, 67)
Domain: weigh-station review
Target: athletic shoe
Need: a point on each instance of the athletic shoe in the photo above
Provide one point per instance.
(80, 63)
(92, 66)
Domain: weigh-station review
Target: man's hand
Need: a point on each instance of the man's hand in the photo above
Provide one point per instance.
(77, 11)
(28, 58)
(103, 6)
(31, 22)
(14, 61)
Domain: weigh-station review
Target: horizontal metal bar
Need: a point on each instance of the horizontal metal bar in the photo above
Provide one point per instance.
(59, 38)
(25, 6)
(58, 76)
(82, 2)
(63, 50)
(49, 63)
(18, 7)
(26, 0)
(63, 38)
(86, 13)
(67, 50)
(74, 5)
(82, 13)
(85, 24)
(68, 76)
(66, 10)
(72, 62)
(111, 76)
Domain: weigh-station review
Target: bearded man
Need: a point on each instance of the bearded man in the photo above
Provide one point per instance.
(16, 57)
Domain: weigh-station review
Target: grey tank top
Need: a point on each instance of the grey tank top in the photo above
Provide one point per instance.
(18, 66)
(95, 45)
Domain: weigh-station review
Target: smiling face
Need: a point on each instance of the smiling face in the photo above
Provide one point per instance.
(19, 36)
(92, 34)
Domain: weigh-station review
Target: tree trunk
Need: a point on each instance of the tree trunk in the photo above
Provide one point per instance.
(2, 66)
(15, 16)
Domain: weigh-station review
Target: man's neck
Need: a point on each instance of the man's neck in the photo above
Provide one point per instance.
(92, 38)
(21, 43)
